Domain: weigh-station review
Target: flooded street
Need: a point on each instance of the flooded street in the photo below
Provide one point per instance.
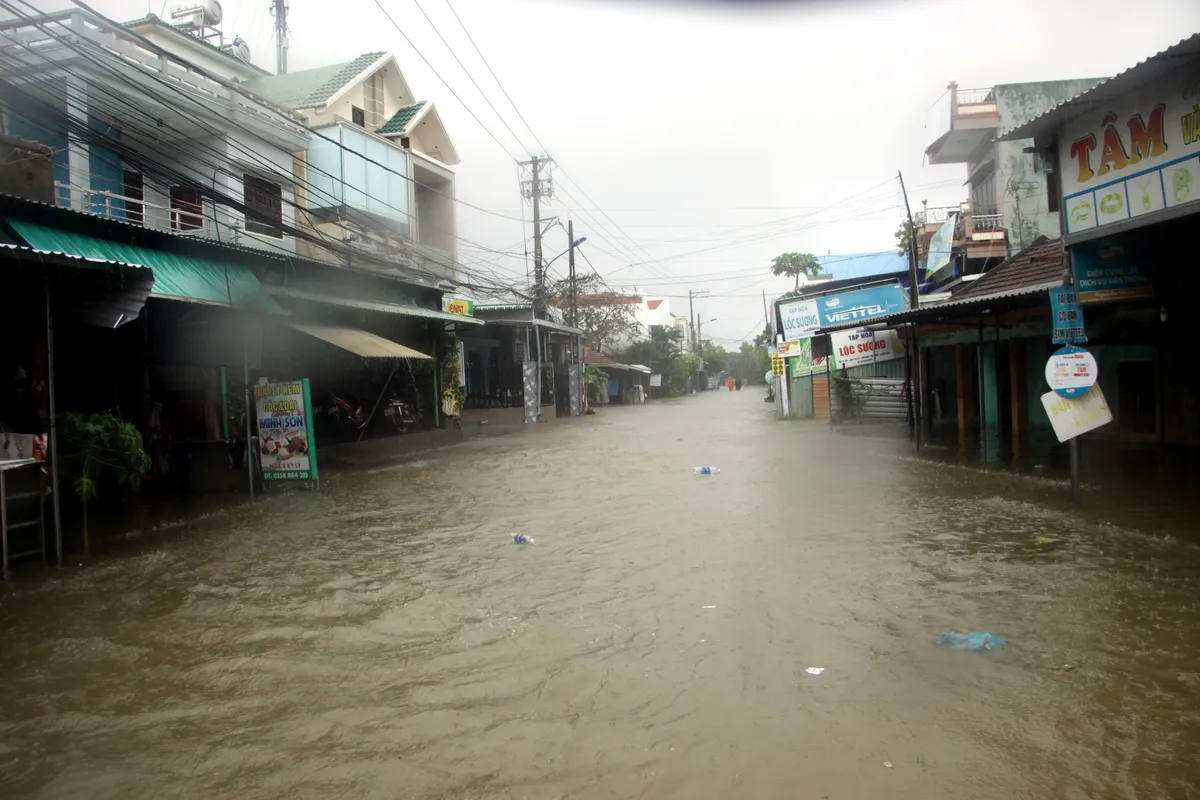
(386, 639)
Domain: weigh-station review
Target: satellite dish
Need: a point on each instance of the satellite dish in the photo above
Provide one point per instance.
(240, 49)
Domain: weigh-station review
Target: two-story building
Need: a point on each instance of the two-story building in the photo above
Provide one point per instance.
(259, 220)
(1007, 183)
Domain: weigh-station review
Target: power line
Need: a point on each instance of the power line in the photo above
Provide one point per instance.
(122, 105)
(470, 77)
(449, 88)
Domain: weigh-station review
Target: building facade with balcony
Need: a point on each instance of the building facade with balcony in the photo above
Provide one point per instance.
(141, 135)
(378, 170)
(1005, 210)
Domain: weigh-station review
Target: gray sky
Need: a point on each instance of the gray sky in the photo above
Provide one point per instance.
(739, 131)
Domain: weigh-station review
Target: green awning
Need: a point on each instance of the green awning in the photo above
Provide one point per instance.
(191, 279)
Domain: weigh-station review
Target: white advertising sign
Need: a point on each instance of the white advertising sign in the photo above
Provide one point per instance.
(861, 346)
(1134, 155)
(1075, 416)
(1071, 371)
(800, 319)
(655, 380)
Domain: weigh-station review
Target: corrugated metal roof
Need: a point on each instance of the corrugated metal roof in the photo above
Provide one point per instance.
(361, 343)
(370, 305)
(1146, 70)
(310, 88)
(188, 278)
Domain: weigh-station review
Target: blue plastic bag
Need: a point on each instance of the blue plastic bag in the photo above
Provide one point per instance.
(982, 640)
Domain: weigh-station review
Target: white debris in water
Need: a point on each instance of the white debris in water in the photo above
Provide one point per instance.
(815, 670)
(708, 606)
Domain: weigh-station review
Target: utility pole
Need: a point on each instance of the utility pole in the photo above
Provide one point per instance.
(279, 10)
(535, 189)
(915, 302)
(692, 321)
(571, 274)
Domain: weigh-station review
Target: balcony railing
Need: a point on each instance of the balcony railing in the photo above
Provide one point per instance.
(972, 97)
(986, 223)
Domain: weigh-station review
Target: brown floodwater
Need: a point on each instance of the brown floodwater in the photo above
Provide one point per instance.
(386, 639)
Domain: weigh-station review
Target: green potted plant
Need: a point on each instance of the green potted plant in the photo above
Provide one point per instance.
(96, 445)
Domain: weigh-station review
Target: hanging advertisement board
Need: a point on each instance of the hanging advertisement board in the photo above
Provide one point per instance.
(860, 346)
(941, 247)
(1066, 316)
(1071, 371)
(286, 448)
(1071, 417)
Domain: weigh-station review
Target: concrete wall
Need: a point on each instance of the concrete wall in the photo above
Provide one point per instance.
(1020, 177)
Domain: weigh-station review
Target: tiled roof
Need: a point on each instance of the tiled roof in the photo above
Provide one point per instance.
(1036, 265)
(310, 88)
(598, 359)
(154, 19)
(399, 121)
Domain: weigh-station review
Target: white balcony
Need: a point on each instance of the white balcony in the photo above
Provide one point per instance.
(960, 123)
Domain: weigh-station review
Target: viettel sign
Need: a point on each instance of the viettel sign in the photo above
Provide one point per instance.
(458, 305)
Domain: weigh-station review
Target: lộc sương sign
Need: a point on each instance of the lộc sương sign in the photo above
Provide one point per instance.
(800, 320)
(1133, 155)
(861, 346)
(286, 446)
(860, 305)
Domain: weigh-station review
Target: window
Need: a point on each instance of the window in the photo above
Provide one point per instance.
(135, 193)
(358, 116)
(264, 206)
(187, 209)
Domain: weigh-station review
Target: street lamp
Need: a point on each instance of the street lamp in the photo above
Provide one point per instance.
(574, 244)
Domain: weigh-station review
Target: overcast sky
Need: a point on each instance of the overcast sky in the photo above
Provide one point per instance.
(708, 137)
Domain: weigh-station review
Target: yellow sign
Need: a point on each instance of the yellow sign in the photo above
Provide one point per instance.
(777, 365)
(457, 305)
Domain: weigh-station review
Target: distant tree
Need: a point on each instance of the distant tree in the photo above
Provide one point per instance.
(716, 358)
(794, 265)
(606, 323)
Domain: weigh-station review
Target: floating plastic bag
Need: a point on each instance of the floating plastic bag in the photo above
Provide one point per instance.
(982, 640)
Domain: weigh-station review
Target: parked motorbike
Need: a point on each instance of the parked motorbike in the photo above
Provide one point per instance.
(402, 414)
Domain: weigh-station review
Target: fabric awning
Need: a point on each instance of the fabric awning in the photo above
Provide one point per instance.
(361, 343)
(191, 279)
(370, 305)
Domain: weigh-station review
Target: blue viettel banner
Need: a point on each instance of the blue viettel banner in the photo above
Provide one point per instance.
(860, 305)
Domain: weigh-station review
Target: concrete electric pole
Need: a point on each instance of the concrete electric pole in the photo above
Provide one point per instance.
(571, 274)
(279, 10)
(535, 189)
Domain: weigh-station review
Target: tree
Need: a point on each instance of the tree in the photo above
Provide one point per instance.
(663, 353)
(716, 358)
(794, 265)
(902, 237)
(606, 323)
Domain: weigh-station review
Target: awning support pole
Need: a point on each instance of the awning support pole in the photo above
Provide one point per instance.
(58, 540)
(363, 430)
(248, 417)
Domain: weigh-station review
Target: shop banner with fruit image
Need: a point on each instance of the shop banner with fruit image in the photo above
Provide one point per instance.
(286, 447)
